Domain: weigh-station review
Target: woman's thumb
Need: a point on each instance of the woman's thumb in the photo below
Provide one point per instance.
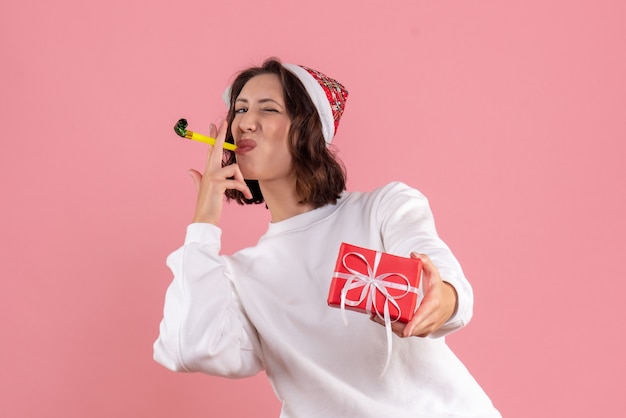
(196, 177)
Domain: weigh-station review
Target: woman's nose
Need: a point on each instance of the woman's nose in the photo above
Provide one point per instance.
(248, 122)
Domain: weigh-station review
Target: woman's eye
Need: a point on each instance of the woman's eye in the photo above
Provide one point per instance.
(241, 110)
(269, 109)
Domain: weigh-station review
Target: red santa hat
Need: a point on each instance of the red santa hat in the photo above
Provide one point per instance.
(328, 95)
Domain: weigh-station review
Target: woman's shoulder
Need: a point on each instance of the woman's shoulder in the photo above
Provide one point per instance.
(393, 188)
(385, 197)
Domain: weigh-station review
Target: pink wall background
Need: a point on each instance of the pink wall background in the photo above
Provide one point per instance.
(510, 116)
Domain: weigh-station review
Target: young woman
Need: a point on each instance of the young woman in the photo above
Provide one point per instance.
(265, 307)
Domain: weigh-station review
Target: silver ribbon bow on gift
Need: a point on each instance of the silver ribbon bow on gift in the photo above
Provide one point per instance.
(370, 283)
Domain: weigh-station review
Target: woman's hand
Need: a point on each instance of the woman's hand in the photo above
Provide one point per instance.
(216, 180)
(436, 308)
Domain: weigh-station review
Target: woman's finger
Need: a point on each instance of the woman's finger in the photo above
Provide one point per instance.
(196, 177)
(214, 160)
(239, 177)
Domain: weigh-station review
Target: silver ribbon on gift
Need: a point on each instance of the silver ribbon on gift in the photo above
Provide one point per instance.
(370, 283)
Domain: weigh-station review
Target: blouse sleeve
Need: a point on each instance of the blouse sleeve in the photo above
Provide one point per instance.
(204, 328)
(407, 225)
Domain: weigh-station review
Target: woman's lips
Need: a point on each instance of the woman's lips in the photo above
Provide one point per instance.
(244, 146)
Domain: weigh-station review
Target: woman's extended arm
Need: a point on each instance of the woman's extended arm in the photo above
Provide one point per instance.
(407, 227)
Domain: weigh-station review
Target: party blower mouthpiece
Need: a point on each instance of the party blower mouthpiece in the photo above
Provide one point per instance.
(181, 130)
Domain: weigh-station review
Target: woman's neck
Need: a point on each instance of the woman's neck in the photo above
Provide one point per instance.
(282, 200)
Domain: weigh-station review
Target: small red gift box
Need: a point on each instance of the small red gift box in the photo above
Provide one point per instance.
(375, 282)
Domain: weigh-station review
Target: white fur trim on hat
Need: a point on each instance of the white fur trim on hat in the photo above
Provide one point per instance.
(318, 96)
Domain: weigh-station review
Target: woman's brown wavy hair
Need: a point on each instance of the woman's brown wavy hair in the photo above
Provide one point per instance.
(320, 176)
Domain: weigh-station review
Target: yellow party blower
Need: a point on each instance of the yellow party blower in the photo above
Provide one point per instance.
(181, 130)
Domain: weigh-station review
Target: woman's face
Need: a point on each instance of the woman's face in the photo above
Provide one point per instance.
(260, 130)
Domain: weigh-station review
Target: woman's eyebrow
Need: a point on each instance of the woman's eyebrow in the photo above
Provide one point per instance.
(268, 100)
(261, 101)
